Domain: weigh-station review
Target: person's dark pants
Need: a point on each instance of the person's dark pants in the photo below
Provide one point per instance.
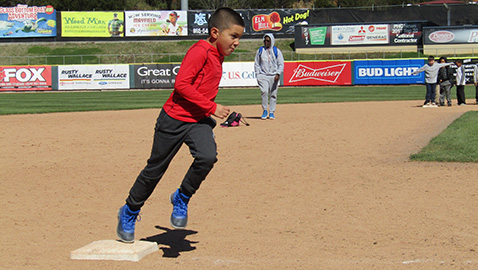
(431, 92)
(169, 136)
(460, 94)
(476, 94)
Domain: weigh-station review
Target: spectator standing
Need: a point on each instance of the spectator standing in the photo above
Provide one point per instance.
(445, 82)
(460, 83)
(475, 80)
(431, 74)
(268, 66)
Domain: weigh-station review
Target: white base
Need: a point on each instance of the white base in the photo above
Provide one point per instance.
(114, 250)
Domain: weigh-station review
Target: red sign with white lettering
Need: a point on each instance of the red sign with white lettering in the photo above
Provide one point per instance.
(25, 78)
(318, 73)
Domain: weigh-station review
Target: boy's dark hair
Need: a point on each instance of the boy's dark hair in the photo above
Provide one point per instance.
(431, 58)
(442, 58)
(224, 18)
(458, 61)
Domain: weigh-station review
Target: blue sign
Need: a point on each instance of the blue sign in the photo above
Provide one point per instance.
(388, 72)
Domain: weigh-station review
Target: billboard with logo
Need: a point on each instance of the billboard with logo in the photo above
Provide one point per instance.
(359, 34)
(238, 74)
(388, 72)
(153, 76)
(318, 73)
(27, 21)
(451, 35)
(25, 78)
(342, 35)
(92, 24)
(197, 21)
(93, 77)
(156, 23)
(282, 21)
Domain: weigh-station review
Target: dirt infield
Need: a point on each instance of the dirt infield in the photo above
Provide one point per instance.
(324, 186)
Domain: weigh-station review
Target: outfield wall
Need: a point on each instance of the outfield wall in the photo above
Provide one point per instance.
(235, 74)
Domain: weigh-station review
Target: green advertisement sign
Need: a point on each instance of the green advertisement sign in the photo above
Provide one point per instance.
(92, 24)
(317, 35)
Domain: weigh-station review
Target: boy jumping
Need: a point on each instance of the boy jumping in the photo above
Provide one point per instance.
(186, 118)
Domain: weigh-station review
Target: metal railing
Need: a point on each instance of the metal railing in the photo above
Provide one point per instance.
(178, 57)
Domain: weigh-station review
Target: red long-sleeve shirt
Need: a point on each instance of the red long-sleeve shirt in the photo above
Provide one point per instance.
(196, 84)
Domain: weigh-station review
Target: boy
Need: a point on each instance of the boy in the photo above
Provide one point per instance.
(445, 81)
(268, 66)
(186, 118)
(460, 83)
(431, 73)
(475, 80)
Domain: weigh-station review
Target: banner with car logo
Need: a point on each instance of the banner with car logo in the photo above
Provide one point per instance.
(93, 77)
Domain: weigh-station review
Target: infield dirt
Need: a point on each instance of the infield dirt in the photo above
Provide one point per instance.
(324, 186)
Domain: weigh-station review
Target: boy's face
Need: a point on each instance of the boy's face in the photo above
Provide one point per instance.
(228, 39)
(442, 61)
(430, 62)
(458, 64)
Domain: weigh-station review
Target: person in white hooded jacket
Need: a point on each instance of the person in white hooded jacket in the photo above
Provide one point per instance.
(268, 66)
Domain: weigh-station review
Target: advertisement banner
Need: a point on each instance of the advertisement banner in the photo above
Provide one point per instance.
(450, 35)
(409, 33)
(93, 77)
(25, 78)
(92, 24)
(156, 23)
(279, 21)
(197, 21)
(238, 74)
(27, 21)
(391, 34)
(318, 73)
(388, 72)
(371, 34)
(153, 76)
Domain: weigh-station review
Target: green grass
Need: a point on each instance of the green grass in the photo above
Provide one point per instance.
(458, 143)
(47, 102)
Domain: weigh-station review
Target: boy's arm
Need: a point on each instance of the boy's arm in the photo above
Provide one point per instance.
(419, 70)
(192, 64)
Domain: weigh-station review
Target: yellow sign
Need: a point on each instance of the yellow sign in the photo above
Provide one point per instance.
(92, 24)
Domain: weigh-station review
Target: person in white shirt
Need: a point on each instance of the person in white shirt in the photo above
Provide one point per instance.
(475, 80)
(460, 83)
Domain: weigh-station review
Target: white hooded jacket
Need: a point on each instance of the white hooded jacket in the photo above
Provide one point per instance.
(266, 62)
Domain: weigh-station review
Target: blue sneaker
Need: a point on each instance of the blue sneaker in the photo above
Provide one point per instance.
(264, 115)
(126, 222)
(179, 216)
(271, 116)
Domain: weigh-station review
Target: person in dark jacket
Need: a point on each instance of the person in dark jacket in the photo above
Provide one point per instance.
(445, 80)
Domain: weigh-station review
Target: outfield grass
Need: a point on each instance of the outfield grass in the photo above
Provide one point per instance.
(458, 143)
(47, 102)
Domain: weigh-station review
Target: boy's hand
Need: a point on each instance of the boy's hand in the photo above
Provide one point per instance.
(221, 111)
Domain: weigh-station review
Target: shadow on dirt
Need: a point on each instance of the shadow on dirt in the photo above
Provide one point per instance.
(175, 239)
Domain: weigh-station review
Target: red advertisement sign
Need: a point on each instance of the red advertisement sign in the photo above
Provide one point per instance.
(25, 78)
(318, 73)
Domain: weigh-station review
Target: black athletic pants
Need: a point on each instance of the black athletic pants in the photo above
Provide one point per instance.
(460, 94)
(169, 136)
